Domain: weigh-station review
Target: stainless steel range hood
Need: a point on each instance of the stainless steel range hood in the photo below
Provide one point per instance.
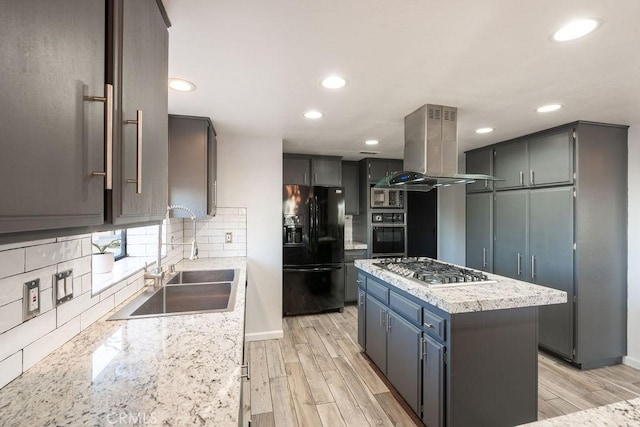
(430, 152)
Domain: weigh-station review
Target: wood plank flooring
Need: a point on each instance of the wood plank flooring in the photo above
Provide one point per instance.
(317, 375)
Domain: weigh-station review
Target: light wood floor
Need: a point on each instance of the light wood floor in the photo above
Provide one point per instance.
(317, 376)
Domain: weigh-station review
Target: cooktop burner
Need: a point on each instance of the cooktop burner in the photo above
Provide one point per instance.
(432, 272)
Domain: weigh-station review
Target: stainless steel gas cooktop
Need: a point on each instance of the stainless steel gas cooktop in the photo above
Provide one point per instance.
(433, 273)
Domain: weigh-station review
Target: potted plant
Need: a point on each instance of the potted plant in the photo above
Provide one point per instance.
(103, 260)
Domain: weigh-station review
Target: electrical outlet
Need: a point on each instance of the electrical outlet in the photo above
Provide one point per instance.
(31, 298)
(228, 237)
(63, 287)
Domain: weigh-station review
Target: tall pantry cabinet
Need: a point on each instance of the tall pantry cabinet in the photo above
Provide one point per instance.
(84, 115)
(559, 220)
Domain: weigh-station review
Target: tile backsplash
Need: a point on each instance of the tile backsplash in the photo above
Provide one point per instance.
(23, 344)
(348, 228)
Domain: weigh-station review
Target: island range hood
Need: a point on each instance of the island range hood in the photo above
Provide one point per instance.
(430, 152)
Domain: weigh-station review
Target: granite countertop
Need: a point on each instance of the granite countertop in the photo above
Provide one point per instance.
(173, 370)
(625, 413)
(352, 245)
(505, 293)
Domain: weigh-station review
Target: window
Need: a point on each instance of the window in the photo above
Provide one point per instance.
(106, 237)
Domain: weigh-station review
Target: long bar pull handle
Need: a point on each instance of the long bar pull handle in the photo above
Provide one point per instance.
(138, 123)
(532, 176)
(519, 263)
(248, 374)
(304, 178)
(533, 266)
(388, 322)
(215, 193)
(521, 178)
(423, 350)
(108, 134)
(360, 299)
(315, 178)
(381, 317)
(484, 257)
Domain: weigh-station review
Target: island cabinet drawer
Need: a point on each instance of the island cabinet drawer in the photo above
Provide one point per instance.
(434, 324)
(377, 290)
(362, 281)
(408, 309)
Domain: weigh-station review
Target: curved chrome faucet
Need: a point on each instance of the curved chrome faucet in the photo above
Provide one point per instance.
(157, 275)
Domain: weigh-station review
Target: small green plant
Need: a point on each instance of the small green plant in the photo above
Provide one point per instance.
(103, 248)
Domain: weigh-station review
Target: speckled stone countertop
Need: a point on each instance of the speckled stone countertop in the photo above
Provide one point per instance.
(352, 245)
(505, 293)
(625, 413)
(172, 371)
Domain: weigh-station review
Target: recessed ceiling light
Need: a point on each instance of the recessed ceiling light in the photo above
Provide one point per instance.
(333, 82)
(576, 29)
(484, 130)
(313, 114)
(549, 108)
(372, 142)
(181, 85)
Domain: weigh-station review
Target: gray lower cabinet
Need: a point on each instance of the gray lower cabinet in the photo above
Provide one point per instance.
(351, 273)
(433, 372)
(479, 231)
(192, 165)
(376, 331)
(53, 56)
(551, 258)
(362, 315)
(403, 358)
(510, 238)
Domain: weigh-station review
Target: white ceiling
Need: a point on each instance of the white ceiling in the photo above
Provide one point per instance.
(257, 66)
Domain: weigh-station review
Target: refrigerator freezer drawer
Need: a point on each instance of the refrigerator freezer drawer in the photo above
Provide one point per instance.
(312, 289)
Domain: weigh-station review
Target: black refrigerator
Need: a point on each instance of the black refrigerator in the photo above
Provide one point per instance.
(313, 249)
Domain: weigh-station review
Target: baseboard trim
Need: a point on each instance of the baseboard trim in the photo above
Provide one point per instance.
(631, 361)
(268, 335)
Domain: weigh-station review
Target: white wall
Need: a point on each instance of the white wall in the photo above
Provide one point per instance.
(250, 174)
(633, 269)
(451, 223)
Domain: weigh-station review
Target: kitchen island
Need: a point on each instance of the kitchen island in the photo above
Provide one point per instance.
(460, 354)
(173, 370)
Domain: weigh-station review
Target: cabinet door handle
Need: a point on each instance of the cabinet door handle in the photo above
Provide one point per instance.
(429, 325)
(108, 134)
(533, 266)
(138, 123)
(248, 374)
(521, 178)
(423, 349)
(484, 257)
(381, 317)
(304, 178)
(388, 322)
(361, 299)
(315, 178)
(519, 263)
(215, 193)
(532, 176)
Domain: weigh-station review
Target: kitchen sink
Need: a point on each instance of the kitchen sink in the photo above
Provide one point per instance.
(188, 292)
(202, 276)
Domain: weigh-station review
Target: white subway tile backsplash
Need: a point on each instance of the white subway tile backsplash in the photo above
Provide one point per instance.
(10, 368)
(96, 312)
(126, 292)
(26, 244)
(80, 266)
(41, 348)
(74, 237)
(112, 290)
(86, 247)
(27, 333)
(10, 315)
(12, 262)
(87, 281)
(73, 308)
(46, 300)
(11, 288)
(52, 253)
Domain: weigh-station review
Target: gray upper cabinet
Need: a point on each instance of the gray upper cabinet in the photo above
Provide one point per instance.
(479, 237)
(326, 171)
(511, 163)
(296, 170)
(480, 162)
(302, 169)
(192, 165)
(52, 135)
(551, 158)
(350, 181)
(139, 73)
(379, 168)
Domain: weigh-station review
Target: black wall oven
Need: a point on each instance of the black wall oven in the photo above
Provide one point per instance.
(388, 240)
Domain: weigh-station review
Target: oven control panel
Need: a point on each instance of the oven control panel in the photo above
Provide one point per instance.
(387, 218)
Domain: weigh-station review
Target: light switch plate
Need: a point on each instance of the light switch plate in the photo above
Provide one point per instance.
(31, 298)
(62, 287)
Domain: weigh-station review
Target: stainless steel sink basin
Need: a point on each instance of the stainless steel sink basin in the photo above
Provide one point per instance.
(188, 292)
(202, 276)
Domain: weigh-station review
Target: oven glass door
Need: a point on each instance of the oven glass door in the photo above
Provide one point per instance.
(388, 240)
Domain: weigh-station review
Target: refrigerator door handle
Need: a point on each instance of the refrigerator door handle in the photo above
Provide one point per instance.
(310, 269)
